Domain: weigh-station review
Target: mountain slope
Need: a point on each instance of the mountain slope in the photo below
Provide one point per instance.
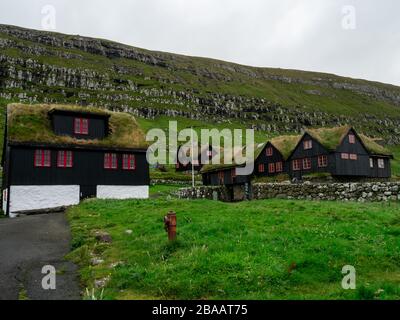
(37, 66)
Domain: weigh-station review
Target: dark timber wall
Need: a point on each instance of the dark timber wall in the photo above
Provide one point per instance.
(88, 169)
(64, 125)
(264, 159)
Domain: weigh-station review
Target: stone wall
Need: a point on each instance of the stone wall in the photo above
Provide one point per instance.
(362, 192)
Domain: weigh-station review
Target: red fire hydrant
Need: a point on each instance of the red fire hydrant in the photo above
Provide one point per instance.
(170, 225)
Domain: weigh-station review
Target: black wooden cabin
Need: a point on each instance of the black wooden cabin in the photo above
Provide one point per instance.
(341, 152)
(71, 155)
(204, 152)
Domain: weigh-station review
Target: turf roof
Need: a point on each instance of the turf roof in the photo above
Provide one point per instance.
(331, 138)
(31, 124)
(285, 145)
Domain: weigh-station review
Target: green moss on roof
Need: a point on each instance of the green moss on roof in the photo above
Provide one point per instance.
(374, 147)
(331, 138)
(285, 144)
(31, 124)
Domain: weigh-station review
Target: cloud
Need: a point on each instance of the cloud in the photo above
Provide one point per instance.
(303, 34)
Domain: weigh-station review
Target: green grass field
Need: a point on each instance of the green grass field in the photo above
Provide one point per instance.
(272, 249)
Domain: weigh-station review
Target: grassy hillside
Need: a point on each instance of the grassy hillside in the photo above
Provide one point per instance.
(39, 66)
(251, 250)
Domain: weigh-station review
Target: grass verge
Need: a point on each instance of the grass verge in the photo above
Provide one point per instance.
(270, 249)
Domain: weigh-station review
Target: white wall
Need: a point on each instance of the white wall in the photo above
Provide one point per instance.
(5, 191)
(122, 192)
(42, 197)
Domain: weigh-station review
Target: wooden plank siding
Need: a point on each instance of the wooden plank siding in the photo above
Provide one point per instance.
(266, 160)
(317, 150)
(64, 125)
(88, 169)
(223, 177)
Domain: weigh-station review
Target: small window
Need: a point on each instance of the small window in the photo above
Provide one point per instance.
(307, 163)
(81, 126)
(352, 138)
(353, 156)
(64, 159)
(110, 161)
(296, 165)
(322, 161)
(381, 164)
(233, 173)
(344, 156)
(307, 144)
(271, 167)
(371, 163)
(221, 177)
(261, 168)
(42, 158)
(128, 162)
(279, 167)
(270, 151)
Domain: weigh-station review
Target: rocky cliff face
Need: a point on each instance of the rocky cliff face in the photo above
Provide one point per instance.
(38, 66)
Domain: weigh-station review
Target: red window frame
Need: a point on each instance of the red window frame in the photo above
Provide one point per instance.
(110, 161)
(306, 163)
(128, 162)
(322, 161)
(279, 167)
(271, 167)
(233, 173)
(296, 165)
(344, 156)
(81, 126)
(64, 159)
(353, 156)
(42, 158)
(177, 165)
(352, 138)
(307, 144)
(270, 151)
(261, 168)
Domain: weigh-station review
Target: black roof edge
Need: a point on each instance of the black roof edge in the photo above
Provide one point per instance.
(80, 112)
(73, 146)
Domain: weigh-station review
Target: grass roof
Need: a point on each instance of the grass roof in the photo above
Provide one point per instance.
(331, 138)
(31, 124)
(285, 144)
(374, 147)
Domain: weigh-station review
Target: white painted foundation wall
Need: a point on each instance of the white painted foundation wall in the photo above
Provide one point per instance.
(42, 197)
(122, 192)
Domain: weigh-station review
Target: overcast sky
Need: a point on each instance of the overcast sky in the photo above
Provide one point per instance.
(361, 41)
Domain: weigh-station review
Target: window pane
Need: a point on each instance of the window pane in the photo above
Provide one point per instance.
(77, 125)
(106, 160)
(85, 126)
(114, 161)
(47, 158)
(69, 159)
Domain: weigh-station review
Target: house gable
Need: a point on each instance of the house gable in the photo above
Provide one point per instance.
(316, 148)
(352, 143)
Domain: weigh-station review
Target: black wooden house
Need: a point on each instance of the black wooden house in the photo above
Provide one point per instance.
(341, 152)
(204, 152)
(55, 156)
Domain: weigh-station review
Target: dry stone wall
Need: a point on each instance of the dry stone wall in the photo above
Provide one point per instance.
(361, 192)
